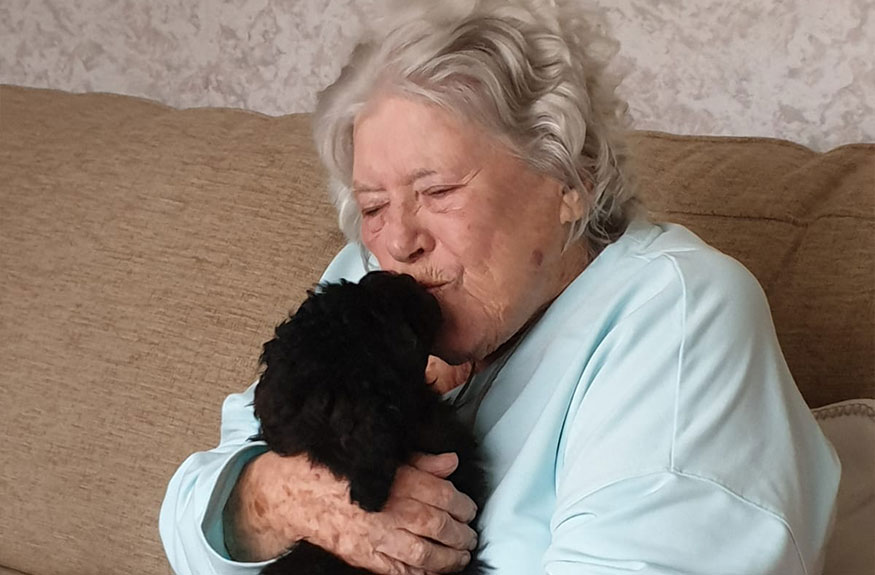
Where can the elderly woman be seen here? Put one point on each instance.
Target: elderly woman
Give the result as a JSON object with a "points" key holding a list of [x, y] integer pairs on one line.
{"points": [[627, 385]]}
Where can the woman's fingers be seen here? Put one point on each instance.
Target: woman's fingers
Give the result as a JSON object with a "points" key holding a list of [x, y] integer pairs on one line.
{"points": [[386, 565], [422, 554], [427, 517], [444, 376], [442, 464], [432, 523], [412, 483]]}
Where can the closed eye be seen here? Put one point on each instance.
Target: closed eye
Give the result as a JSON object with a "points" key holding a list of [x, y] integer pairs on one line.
{"points": [[371, 211], [438, 192]]}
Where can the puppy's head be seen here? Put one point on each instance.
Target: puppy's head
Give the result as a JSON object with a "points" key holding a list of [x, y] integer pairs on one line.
{"points": [[405, 305], [349, 365]]}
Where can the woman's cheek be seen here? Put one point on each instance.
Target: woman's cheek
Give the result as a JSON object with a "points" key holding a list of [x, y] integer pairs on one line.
{"points": [[370, 236], [372, 224]]}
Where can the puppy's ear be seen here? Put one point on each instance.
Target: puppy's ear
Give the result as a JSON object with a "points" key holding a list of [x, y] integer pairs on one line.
{"points": [[285, 386], [374, 451]]}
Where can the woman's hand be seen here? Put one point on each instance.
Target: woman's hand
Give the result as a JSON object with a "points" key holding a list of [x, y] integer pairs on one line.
{"points": [[422, 529], [443, 376]]}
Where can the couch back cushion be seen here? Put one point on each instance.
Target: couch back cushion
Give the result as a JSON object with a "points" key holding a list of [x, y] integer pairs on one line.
{"points": [[147, 254], [803, 222]]}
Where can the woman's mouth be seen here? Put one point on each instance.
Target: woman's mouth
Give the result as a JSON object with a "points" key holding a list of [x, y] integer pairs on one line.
{"points": [[432, 287]]}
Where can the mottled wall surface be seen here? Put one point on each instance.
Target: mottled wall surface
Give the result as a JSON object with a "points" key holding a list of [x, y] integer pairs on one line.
{"points": [[796, 69]]}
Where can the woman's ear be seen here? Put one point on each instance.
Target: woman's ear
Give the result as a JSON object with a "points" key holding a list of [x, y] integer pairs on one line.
{"points": [[572, 208]]}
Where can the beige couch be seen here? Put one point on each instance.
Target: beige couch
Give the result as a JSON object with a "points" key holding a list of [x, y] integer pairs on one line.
{"points": [[147, 253]]}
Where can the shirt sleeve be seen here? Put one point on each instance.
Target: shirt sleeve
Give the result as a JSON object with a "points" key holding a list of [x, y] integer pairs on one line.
{"points": [[191, 515], [190, 521], [668, 523], [691, 451]]}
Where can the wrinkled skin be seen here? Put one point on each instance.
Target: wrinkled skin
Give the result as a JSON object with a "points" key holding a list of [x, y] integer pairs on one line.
{"points": [[295, 500], [445, 202]]}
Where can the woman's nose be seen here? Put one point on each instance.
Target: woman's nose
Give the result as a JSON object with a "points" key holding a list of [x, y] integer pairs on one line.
{"points": [[408, 239]]}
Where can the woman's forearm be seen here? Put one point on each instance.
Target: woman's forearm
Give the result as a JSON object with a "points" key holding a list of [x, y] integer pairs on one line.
{"points": [[252, 530], [279, 501]]}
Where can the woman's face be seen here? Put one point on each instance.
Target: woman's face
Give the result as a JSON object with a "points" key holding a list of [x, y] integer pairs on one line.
{"points": [[446, 203]]}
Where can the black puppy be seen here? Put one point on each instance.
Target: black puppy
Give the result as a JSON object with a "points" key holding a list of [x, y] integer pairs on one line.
{"points": [[344, 383]]}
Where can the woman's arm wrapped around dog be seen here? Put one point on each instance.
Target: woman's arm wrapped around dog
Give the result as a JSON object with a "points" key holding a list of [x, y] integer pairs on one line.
{"points": [[193, 530], [240, 475], [280, 500]]}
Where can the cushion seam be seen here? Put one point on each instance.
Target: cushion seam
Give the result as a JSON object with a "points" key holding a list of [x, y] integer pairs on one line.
{"points": [[798, 222], [845, 409]]}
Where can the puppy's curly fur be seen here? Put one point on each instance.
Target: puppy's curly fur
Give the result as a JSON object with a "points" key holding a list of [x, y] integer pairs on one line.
{"points": [[344, 383]]}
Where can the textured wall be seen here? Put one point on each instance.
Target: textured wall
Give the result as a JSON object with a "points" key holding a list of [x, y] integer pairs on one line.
{"points": [[795, 69]]}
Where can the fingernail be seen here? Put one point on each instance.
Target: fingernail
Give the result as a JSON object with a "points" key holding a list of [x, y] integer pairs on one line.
{"points": [[466, 558], [473, 545]]}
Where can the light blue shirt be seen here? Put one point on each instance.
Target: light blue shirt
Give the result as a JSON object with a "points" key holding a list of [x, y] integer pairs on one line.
{"points": [[646, 423]]}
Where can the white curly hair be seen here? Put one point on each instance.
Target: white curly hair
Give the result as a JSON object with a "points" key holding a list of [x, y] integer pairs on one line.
{"points": [[531, 72]]}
